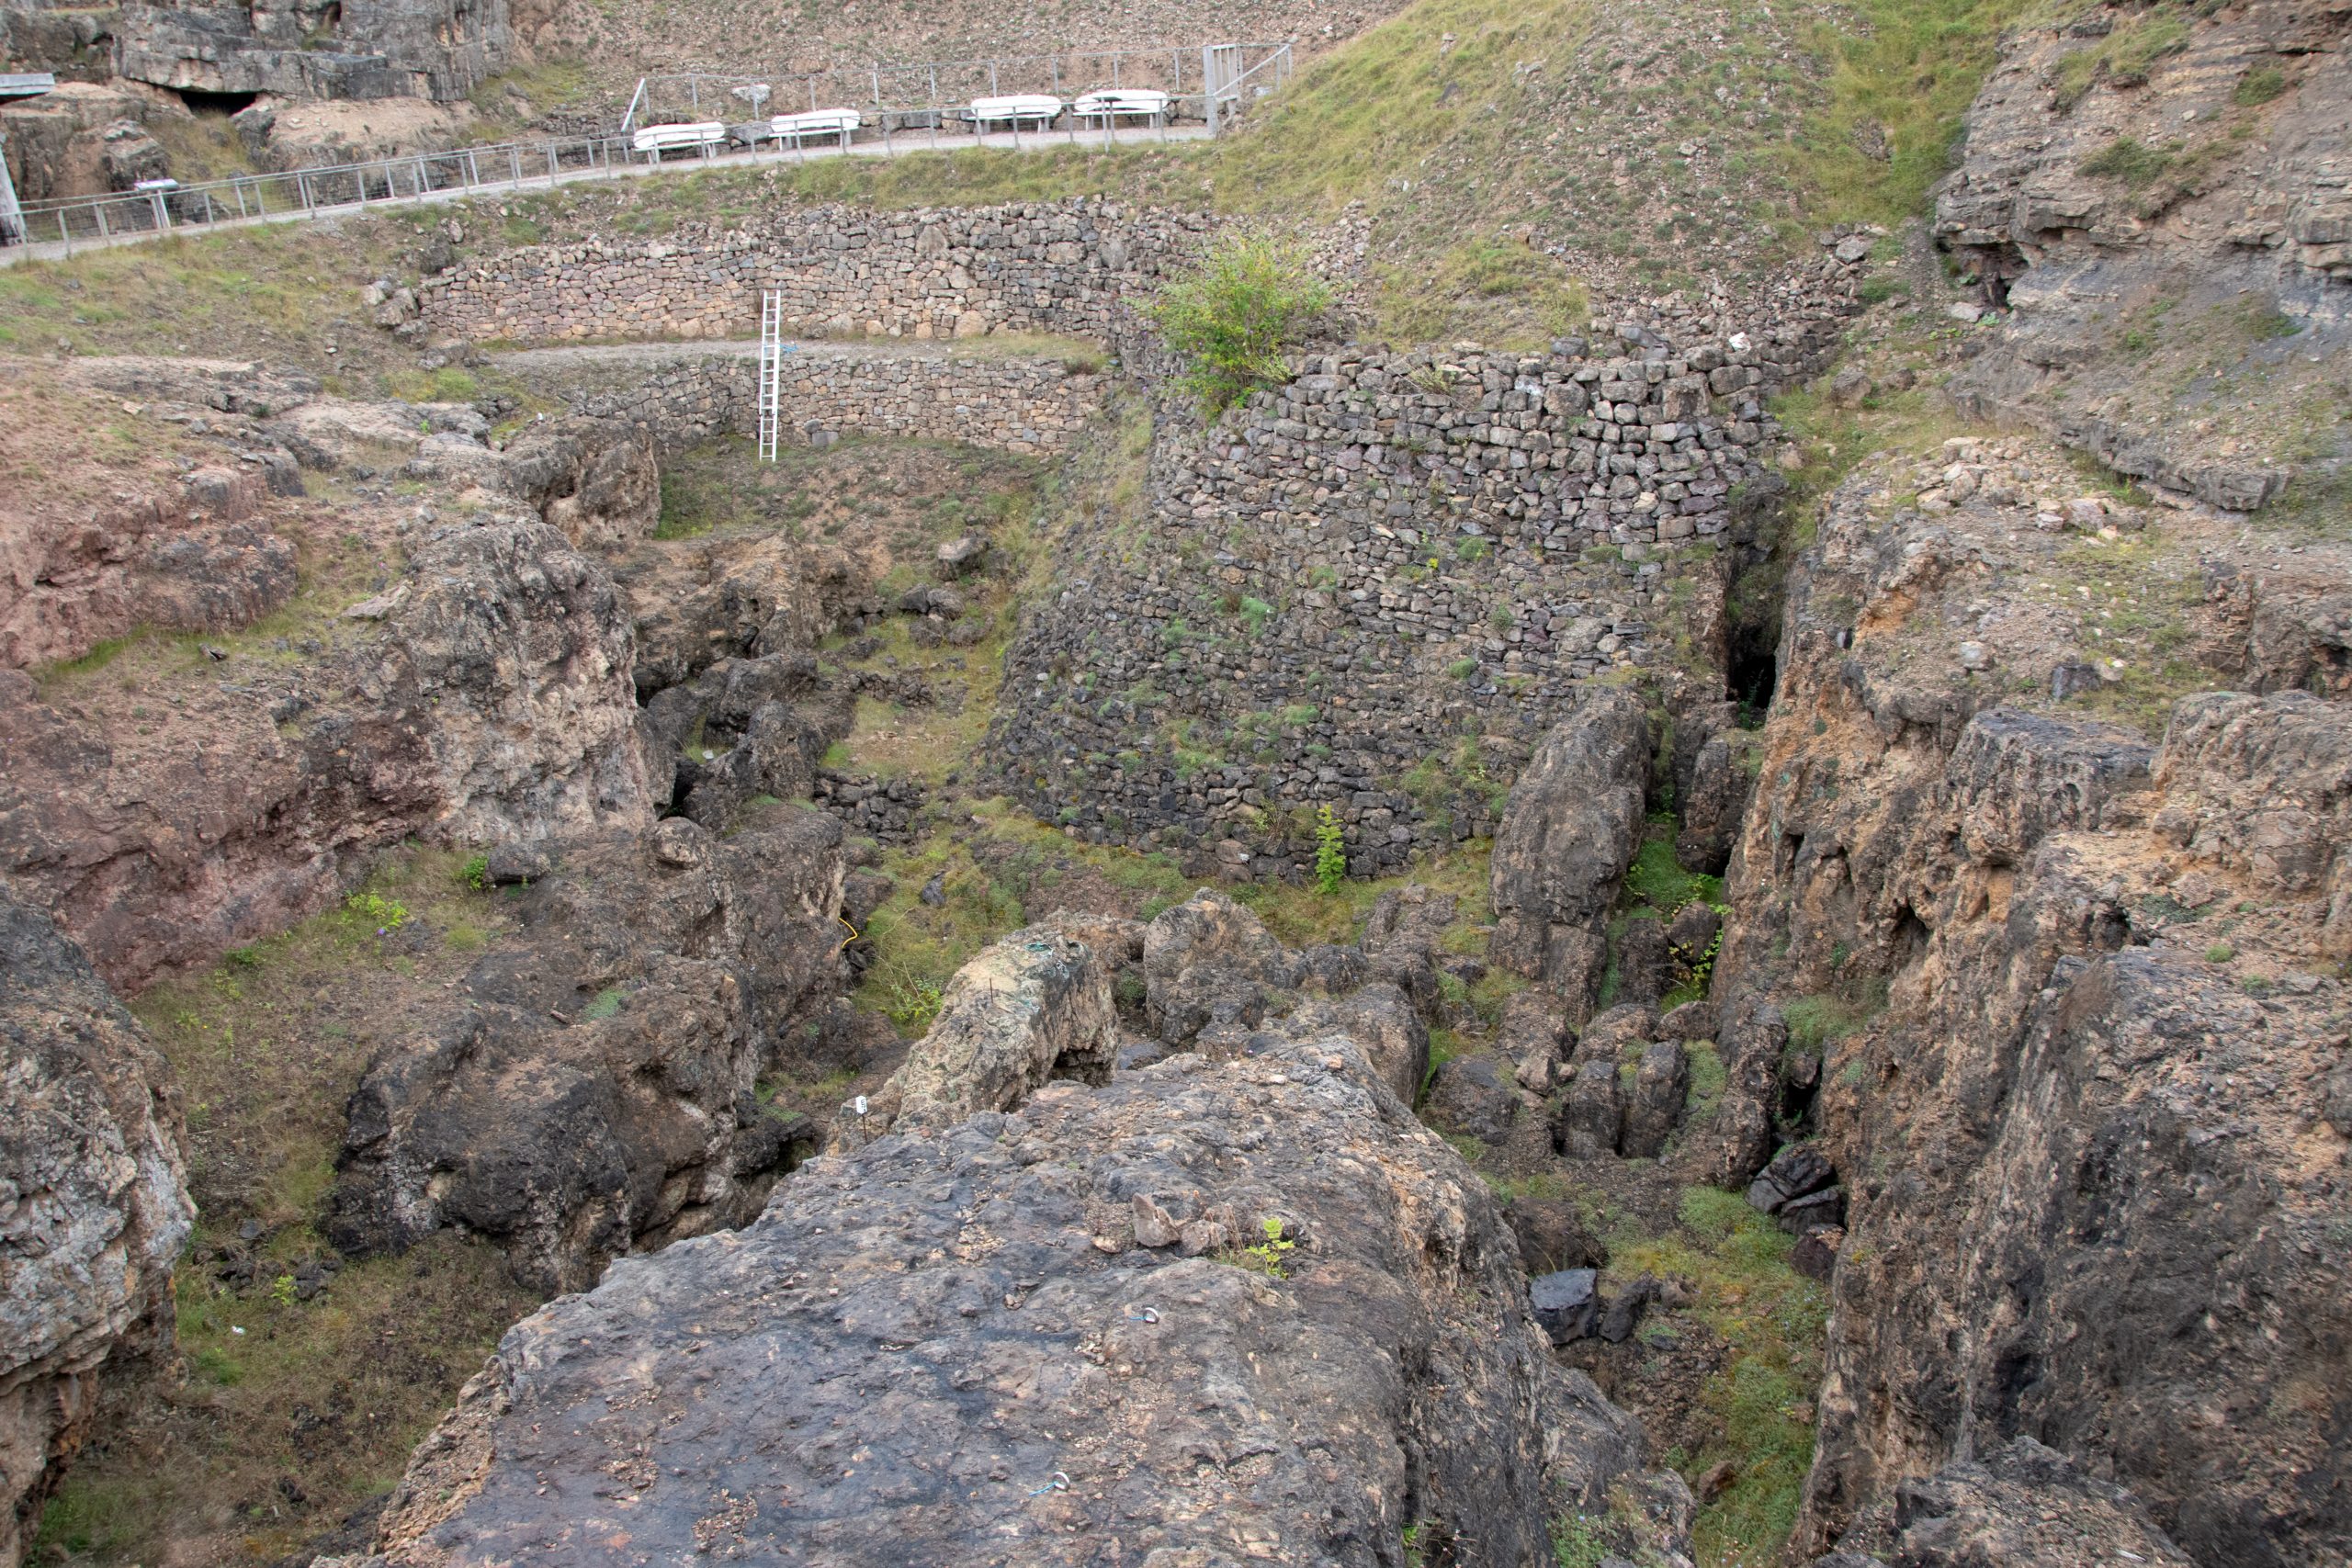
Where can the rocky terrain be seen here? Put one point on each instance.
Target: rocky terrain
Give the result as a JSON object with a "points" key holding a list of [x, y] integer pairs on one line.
{"points": [[1709, 929], [1208, 1310], [97, 1205]]}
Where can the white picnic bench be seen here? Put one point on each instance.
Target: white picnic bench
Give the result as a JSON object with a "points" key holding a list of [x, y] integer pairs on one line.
{"points": [[701, 136], [1015, 109], [797, 128], [1107, 104]]}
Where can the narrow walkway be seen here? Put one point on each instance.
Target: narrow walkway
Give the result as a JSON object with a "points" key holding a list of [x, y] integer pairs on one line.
{"points": [[905, 144]]}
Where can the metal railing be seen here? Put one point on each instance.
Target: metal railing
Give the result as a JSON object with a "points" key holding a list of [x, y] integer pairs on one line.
{"points": [[1220, 86], [1188, 73]]}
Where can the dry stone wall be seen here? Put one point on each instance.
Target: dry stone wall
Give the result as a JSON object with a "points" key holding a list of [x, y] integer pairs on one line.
{"points": [[1375, 586], [1054, 268], [1028, 405]]}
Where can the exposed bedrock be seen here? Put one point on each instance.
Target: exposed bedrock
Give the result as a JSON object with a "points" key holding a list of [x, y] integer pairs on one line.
{"points": [[94, 1206], [2021, 1506], [1033, 1006], [2158, 199], [1035, 1335], [497, 704], [2067, 1012], [593, 1089]]}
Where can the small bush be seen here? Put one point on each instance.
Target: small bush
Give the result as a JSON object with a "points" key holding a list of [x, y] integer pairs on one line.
{"points": [[1330, 851], [2220, 953], [1267, 1255], [1463, 669], [1231, 317], [475, 872]]}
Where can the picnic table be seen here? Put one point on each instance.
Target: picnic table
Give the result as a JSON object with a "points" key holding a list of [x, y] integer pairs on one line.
{"points": [[1014, 109], [1107, 104]]}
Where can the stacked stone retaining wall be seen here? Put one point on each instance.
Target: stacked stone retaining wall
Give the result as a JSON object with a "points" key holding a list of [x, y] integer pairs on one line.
{"points": [[1013, 404], [1375, 586], [1067, 267]]}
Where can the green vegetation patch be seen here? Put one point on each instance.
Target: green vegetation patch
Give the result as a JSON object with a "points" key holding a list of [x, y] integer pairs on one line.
{"points": [[1774, 1322]]}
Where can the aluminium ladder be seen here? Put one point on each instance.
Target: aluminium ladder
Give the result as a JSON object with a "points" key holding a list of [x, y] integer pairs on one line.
{"points": [[770, 372]]}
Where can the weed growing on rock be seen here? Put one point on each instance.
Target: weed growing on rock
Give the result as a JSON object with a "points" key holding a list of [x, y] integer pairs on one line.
{"points": [[475, 872], [1266, 1256], [1330, 851], [375, 910], [1231, 317]]}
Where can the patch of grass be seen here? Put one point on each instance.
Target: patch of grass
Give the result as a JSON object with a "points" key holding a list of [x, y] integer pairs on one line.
{"points": [[1819, 1021], [1657, 880], [1901, 74], [450, 384], [1773, 1322], [2258, 86], [1502, 292], [2125, 57], [2132, 162]]}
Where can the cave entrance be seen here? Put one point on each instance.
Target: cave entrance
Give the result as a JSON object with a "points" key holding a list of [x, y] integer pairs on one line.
{"points": [[1752, 677], [200, 102]]}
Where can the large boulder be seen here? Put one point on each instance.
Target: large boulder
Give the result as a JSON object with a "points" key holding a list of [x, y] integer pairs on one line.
{"points": [[94, 1204], [1032, 1007], [1382, 1023], [1208, 960], [957, 1349], [1570, 829], [595, 479], [594, 1089]]}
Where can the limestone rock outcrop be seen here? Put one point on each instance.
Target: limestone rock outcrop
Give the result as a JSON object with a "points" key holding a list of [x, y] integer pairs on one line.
{"points": [[983, 1344], [2079, 1004], [1568, 833], [2145, 191], [594, 1090], [94, 1204]]}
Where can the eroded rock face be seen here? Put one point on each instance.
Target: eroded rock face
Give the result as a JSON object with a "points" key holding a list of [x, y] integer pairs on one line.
{"points": [[2183, 189], [94, 1204], [985, 1365], [494, 703], [593, 1091], [2085, 1149], [1568, 833], [2022, 1507], [1210, 961]]}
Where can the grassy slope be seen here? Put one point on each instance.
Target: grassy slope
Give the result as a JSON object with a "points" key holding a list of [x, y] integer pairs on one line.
{"points": [[1461, 130]]}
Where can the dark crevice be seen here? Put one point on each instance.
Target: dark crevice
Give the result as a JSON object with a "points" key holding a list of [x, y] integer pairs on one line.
{"points": [[201, 102]]}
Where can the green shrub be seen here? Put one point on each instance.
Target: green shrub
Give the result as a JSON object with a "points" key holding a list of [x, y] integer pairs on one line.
{"points": [[1266, 1256], [1330, 851], [1230, 318], [1463, 669], [475, 872]]}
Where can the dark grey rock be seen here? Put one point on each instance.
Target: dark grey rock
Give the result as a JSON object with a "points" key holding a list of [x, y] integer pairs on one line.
{"points": [[1568, 833], [1469, 1098], [1567, 1303], [917, 1297]]}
